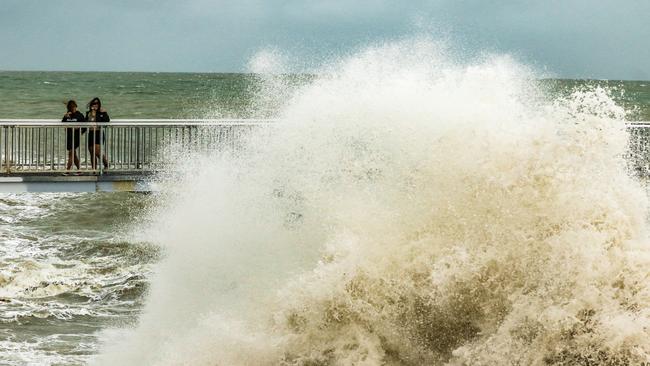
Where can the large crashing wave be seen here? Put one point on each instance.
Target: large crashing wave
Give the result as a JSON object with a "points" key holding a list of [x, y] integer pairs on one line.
{"points": [[407, 210]]}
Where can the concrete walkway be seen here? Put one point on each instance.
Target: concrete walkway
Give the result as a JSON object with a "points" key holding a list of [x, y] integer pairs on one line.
{"points": [[57, 182]]}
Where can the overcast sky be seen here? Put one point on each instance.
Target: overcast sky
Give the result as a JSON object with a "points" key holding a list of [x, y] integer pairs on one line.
{"points": [[569, 38]]}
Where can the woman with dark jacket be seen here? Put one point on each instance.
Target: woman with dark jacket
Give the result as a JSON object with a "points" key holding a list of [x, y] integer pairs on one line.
{"points": [[95, 136], [73, 135]]}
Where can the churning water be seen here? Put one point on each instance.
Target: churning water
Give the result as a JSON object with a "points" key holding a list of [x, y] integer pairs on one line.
{"points": [[68, 268], [409, 210]]}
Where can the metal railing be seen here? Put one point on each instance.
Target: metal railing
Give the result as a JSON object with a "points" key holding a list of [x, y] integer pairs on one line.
{"points": [[639, 148], [139, 145], [129, 145]]}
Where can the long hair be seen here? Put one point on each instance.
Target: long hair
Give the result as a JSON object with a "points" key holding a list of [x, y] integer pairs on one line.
{"points": [[95, 99]]}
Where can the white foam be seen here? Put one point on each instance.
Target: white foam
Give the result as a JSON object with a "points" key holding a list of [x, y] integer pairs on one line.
{"points": [[408, 210]]}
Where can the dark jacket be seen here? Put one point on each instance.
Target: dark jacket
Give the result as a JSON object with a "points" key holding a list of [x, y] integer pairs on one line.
{"points": [[72, 135], [102, 116], [97, 136]]}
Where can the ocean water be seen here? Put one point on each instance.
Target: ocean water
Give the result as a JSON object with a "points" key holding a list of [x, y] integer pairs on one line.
{"points": [[31, 94], [69, 267], [409, 210], [136, 95]]}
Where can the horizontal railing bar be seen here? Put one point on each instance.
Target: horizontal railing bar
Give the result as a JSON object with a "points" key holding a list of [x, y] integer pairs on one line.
{"points": [[125, 124], [181, 122], [140, 122]]}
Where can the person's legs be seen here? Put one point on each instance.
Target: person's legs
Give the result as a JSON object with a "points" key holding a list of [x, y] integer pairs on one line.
{"points": [[77, 163], [71, 157], [93, 157], [97, 154]]}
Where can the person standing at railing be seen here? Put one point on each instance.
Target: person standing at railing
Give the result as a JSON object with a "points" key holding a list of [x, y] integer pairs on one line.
{"points": [[95, 136], [73, 135]]}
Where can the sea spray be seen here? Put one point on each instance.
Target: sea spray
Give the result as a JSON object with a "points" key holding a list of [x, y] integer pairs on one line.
{"points": [[406, 210]]}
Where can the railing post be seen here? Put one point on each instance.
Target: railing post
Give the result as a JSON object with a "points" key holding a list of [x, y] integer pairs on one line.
{"points": [[5, 130], [98, 159], [189, 137], [8, 150], [138, 162]]}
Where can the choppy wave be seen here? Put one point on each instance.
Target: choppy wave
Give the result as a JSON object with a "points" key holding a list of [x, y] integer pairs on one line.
{"points": [[66, 271], [408, 210]]}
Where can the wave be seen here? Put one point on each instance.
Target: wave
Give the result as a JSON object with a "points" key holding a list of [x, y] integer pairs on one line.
{"points": [[410, 209]]}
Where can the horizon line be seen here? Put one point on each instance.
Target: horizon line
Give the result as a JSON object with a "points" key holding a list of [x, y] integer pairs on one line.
{"points": [[282, 73]]}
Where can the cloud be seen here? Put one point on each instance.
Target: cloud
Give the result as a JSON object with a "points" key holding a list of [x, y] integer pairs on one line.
{"points": [[572, 38]]}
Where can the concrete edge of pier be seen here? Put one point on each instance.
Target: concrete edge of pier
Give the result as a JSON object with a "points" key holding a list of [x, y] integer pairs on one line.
{"points": [[78, 184]]}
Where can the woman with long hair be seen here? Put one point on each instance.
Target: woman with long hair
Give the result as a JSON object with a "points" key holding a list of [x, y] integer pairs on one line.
{"points": [[95, 136]]}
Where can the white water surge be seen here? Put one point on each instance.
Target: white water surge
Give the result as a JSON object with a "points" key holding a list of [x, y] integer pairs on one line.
{"points": [[407, 211]]}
